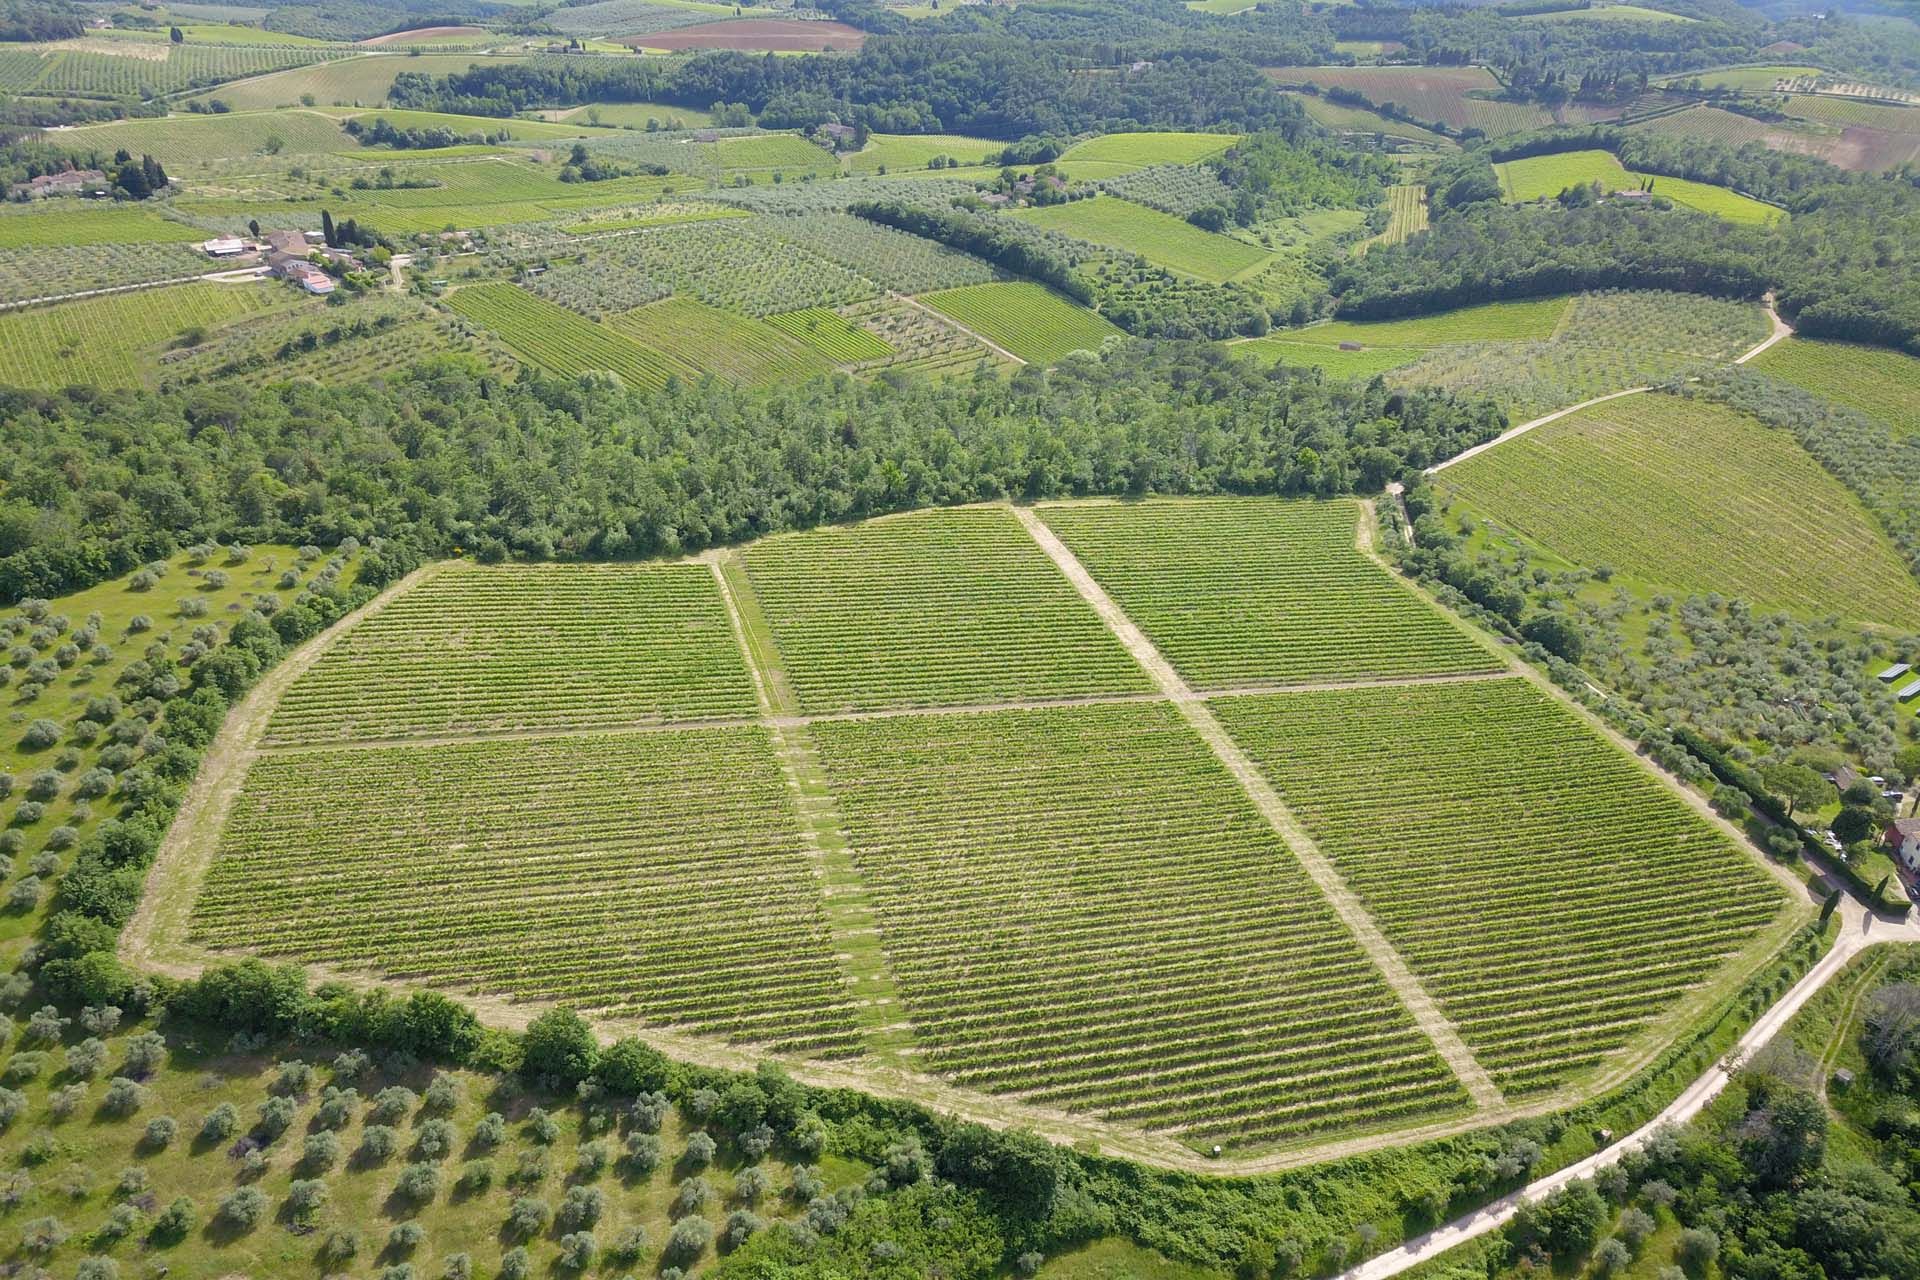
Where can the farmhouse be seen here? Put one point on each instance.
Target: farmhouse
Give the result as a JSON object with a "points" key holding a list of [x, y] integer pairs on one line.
{"points": [[1902, 839], [293, 242], [71, 182]]}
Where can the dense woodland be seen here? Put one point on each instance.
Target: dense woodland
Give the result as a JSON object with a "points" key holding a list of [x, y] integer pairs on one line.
{"points": [[444, 457]]}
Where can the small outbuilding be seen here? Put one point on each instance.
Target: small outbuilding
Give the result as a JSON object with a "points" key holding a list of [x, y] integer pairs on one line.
{"points": [[1894, 672], [1909, 693]]}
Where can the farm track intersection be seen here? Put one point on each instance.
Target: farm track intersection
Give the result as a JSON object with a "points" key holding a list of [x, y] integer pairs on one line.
{"points": [[892, 1063]]}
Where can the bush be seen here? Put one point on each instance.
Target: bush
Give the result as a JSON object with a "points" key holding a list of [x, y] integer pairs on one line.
{"points": [[161, 1131], [40, 735], [643, 1154], [580, 1208], [339, 1248], [43, 1235], [688, 1240], [1697, 1248], [124, 1097], [336, 1107], [490, 1132], [741, 1224], [558, 1046], [691, 1196], [276, 1117], [436, 1140], [418, 1183], [700, 1150], [306, 1197], [627, 1246], [527, 1217], [378, 1142], [174, 1224], [220, 1124], [458, 1266], [406, 1237], [515, 1264], [577, 1250], [391, 1106], [475, 1177], [591, 1162], [321, 1151], [243, 1208], [442, 1095], [146, 1054]]}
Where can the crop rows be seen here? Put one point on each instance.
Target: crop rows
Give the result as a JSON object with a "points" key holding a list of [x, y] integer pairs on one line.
{"points": [[1080, 907], [898, 261], [631, 17], [934, 608], [1437, 94], [1029, 320], [921, 341], [49, 270], [56, 223], [1178, 189], [130, 75], [830, 333], [477, 649], [1161, 239], [1880, 383], [1244, 591], [1693, 496], [733, 346], [731, 263], [112, 341], [1551, 894], [1149, 148], [561, 342], [397, 333], [657, 876]]}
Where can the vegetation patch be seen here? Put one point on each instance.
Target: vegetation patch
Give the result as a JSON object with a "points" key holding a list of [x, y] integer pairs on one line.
{"points": [[561, 342], [114, 341], [733, 346], [1880, 383], [1161, 239], [1138, 150], [1029, 320]]}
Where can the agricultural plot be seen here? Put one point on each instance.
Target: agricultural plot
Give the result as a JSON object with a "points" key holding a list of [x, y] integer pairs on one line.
{"points": [[1178, 189], [1334, 362], [894, 152], [756, 35], [1341, 118], [1080, 906], [919, 340], [731, 264], [538, 647], [633, 115], [1457, 97], [659, 214], [936, 608], [1029, 320], [1253, 591], [1552, 895], [561, 342], [732, 346], [184, 142], [369, 340], [1161, 239], [1493, 322], [1608, 13], [345, 82], [113, 341], [100, 69], [1543, 177], [1692, 496], [1880, 383], [773, 152], [53, 223], [833, 335], [528, 865], [1138, 150], [634, 17], [888, 257], [1407, 215], [52, 270]]}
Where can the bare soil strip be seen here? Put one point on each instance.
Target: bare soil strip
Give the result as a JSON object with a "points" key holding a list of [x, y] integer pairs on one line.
{"points": [[1345, 903]]}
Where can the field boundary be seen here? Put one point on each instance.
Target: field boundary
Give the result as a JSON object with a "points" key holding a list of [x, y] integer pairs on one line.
{"points": [[1345, 903]]}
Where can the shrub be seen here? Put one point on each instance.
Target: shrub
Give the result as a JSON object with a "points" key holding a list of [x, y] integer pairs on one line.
{"points": [[378, 1142], [46, 1026], [174, 1224], [124, 1097], [321, 1151], [577, 1250], [40, 735], [643, 1154], [97, 1269], [406, 1237], [1697, 1247], [1611, 1258], [490, 1132], [752, 1186], [700, 1150], [527, 1217], [627, 1246], [43, 1235], [516, 1264], [741, 1224], [688, 1240], [339, 1247], [293, 1078], [391, 1106], [580, 1208], [418, 1183], [647, 1114], [541, 1127], [306, 1197], [146, 1054], [243, 1208], [276, 1117], [691, 1196], [458, 1266], [475, 1177], [435, 1141], [161, 1131], [220, 1123], [86, 1059], [336, 1107], [442, 1095]]}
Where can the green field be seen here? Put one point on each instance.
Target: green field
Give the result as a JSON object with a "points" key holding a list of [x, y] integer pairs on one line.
{"points": [[528, 864], [1458, 97], [349, 82], [782, 152], [1609, 13], [1407, 206], [1081, 906], [845, 608], [1543, 177], [49, 223], [1254, 591], [633, 115], [491, 649], [99, 68], [1346, 119], [1161, 239], [842, 341], [182, 142], [1335, 362], [1493, 322], [1691, 496], [561, 342], [1030, 320], [1881, 383], [1138, 150], [654, 216], [112, 341], [900, 151], [1552, 894], [732, 346], [1745, 79]]}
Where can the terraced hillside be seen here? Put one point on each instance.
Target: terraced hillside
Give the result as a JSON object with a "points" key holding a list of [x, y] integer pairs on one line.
{"points": [[933, 796]]}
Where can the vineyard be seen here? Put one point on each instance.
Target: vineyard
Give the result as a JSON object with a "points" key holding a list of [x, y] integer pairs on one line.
{"points": [[1443, 95], [525, 648], [371, 340], [1342, 118], [1543, 177], [889, 258], [848, 610], [1029, 320], [45, 227], [1178, 189], [1163, 240], [1335, 362], [738, 348], [184, 142], [634, 17], [561, 342], [897, 151], [1080, 906], [1407, 214], [833, 335], [1691, 496], [112, 341], [1492, 322], [655, 876], [1549, 892], [920, 341], [1881, 383], [1251, 591], [132, 72]]}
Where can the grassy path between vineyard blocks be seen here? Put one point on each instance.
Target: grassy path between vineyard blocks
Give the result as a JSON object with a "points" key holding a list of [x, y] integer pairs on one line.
{"points": [[1345, 903], [847, 901]]}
